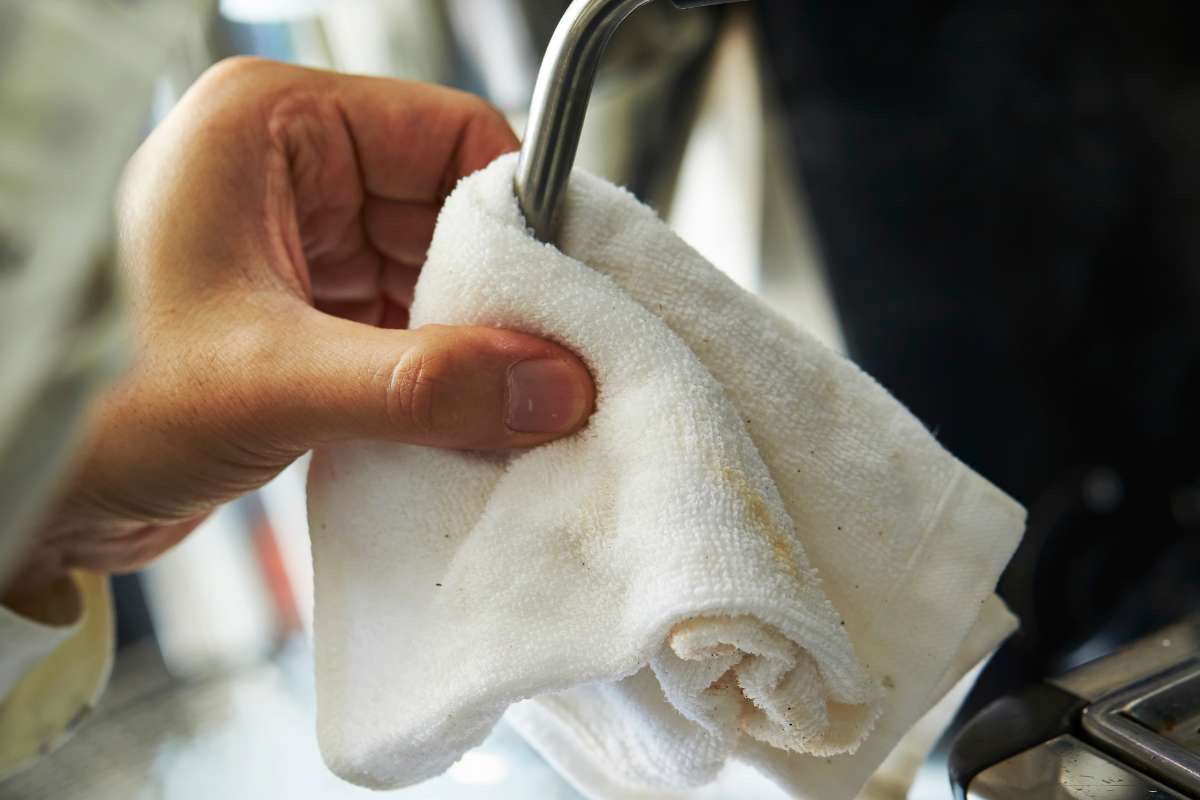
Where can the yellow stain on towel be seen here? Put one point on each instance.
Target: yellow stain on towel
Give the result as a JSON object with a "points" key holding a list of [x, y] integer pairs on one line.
{"points": [[760, 516]]}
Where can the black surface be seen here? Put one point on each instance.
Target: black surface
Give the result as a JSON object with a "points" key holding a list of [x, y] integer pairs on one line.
{"points": [[1006, 195], [132, 614]]}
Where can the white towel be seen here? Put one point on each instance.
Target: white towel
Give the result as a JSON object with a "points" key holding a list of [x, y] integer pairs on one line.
{"points": [[752, 550]]}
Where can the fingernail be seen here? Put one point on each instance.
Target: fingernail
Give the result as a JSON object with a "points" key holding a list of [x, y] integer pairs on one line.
{"points": [[544, 396]]}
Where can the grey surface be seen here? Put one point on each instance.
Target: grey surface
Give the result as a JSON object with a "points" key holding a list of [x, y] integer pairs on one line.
{"points": [[245, 735], [1154, 653]]}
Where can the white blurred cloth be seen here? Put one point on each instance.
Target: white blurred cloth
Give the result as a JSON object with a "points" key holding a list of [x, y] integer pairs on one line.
{"points": [[75, 87], [752, 551]]}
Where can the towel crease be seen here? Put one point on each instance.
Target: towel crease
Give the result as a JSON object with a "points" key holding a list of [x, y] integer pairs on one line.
{"points": [[657, 609]]}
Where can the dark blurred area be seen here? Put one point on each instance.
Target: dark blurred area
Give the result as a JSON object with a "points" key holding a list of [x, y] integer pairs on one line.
{"points": [[1005, 196]]}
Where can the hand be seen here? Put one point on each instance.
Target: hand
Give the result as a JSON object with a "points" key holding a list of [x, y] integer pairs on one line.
{"points": [[271, 230]]}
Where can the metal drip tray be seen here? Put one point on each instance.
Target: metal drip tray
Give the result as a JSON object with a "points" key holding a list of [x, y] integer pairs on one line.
{"points": [[1155, 724], [1174, 711], [1065, 768]]}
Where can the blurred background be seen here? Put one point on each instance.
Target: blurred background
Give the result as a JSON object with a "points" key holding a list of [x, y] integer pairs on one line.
{"points": [[990, 206]]}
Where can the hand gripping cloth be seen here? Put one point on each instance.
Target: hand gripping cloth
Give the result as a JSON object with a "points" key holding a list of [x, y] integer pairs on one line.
{"points": [[752, 551]]}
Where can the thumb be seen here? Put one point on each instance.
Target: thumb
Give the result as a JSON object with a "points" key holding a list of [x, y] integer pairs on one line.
{"points": [[442, 386]]}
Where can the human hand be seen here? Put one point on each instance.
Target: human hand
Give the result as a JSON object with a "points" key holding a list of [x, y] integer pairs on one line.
{"points": [[271, 230]]}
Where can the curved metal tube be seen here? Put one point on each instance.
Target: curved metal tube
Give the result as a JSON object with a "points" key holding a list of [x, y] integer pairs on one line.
{"points": [[560, 99]]}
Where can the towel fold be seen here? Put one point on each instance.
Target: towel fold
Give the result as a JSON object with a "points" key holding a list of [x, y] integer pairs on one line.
{"points": [[752, 550]]}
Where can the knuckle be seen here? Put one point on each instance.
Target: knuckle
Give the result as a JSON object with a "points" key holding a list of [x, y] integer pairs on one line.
{"points": [[481, 115], [229, 85], [233, 70], [487, 111], [419, 395], [493, 118]]}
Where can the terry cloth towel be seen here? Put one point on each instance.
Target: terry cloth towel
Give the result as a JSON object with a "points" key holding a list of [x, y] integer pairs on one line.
{"points": [[751, 551]]}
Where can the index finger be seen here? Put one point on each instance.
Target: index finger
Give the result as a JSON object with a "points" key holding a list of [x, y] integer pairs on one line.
{"points": [[413, 141]]}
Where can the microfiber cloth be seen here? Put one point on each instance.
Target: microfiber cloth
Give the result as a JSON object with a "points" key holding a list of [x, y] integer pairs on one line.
{"points": [[752, 551]]}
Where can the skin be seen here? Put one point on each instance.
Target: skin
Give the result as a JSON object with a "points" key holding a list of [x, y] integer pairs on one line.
{"points": [[271, 231]]}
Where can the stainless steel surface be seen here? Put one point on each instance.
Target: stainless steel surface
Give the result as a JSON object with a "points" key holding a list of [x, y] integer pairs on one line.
{"points": [[1065, 768], [559, 105], [1148, 656], [1153, 724]]}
